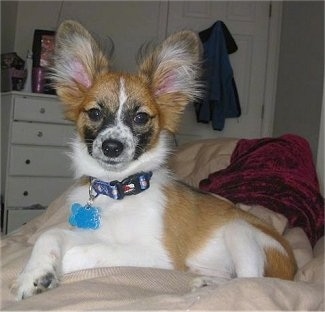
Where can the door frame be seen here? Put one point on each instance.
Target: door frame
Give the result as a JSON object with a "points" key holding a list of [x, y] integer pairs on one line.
{"points": [[272, 65]]}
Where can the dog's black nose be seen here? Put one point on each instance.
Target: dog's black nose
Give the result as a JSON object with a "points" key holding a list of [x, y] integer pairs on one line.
{"points": [[112, 148]]}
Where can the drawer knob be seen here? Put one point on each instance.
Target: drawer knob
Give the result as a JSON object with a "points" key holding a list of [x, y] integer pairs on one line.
{"points": [[42, 110], [39, 134], [25, 193], [27, 161]]}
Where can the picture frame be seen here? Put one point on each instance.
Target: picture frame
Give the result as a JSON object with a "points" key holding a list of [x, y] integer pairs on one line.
{"points": [[43, 48]]}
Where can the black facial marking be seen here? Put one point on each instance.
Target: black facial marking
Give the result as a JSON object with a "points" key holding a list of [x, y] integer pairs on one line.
{"points": [[140, 123], [99, 119], [89, 137], [142, 145]]}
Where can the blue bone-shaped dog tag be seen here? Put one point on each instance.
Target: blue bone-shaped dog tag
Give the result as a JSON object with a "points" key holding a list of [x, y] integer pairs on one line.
{"points": [[85, 217]]}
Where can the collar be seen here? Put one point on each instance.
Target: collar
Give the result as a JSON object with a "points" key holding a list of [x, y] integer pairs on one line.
{"points": [[132, 185]]}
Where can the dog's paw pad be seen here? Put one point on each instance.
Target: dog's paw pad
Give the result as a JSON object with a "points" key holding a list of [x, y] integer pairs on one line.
{"points": [[28, 285], [45, 282]]}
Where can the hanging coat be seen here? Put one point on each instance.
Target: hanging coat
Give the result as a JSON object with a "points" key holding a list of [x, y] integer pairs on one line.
{"points": [[221, 99]]}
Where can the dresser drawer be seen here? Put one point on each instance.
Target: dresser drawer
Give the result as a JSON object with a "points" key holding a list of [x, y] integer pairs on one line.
{"points": [[41, 133], [39, 161], [35, 109], [17, 218], [24, 192]]}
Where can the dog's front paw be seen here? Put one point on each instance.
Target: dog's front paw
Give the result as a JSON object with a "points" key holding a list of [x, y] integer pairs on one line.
{"points": [[34, 282]]}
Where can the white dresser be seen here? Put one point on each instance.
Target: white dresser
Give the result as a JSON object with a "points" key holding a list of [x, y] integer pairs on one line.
{"points": [[35, 168]]}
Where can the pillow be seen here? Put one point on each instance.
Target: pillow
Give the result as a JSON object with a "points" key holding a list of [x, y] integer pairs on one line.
{"points": [[300, 245], [276, 220], [193, 161], [313, 271]]}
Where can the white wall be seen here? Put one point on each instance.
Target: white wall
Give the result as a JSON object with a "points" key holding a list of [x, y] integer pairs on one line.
{"points": [[301, 71], [8, 26], [33, 15]]}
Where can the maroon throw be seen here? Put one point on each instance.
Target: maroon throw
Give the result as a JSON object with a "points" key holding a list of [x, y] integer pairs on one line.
{"points": [[277, 173]]}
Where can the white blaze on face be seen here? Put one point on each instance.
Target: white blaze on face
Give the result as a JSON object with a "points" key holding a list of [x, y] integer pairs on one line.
{"points": [[122, 99]]}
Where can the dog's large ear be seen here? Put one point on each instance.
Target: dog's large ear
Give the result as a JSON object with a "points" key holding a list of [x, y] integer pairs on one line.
{"points": [[77, 61], [172, 70]]}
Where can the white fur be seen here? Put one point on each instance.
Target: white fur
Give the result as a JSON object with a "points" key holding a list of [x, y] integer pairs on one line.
{"points": [[132, 235], [122, 99]]}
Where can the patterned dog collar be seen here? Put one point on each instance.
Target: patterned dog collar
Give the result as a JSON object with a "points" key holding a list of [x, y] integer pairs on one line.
{"points": [[132, 185]]}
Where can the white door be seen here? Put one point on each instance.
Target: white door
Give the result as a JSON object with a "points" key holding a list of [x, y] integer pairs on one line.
{"points": [[248, 22]]}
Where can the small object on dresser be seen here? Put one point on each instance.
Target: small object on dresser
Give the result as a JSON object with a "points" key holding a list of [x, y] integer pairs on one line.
{"points": [[12, 72], [38, 80], [28, 68]]}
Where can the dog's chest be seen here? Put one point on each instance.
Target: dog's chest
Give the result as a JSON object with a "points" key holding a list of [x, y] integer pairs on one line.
{"points": [[134, 219]]}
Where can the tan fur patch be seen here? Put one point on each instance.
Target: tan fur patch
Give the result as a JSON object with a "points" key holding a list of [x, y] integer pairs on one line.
{"points": [[279, 265], [173, 106]]}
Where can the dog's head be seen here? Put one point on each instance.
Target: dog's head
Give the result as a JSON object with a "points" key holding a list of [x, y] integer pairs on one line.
{"points": [[122, 119]]}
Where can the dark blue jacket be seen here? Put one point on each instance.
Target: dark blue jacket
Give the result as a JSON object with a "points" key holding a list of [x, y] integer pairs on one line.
{"points": [[221, 99]]}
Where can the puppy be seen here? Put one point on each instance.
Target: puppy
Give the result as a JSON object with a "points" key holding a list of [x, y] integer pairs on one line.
{"points": [[128, 209]]}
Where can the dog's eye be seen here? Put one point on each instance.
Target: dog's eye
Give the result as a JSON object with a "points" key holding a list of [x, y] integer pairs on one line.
{"points": [[141, 118], [95, 114]]}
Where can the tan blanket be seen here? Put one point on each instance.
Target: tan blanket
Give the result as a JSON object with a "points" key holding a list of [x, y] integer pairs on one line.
{"points": [[126, 288]]}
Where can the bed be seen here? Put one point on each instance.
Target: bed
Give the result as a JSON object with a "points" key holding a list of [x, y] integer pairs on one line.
{"points": [[290, 201]]}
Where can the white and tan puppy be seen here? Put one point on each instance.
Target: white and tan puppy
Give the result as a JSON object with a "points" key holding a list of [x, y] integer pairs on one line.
{"points": [[128, 209]]}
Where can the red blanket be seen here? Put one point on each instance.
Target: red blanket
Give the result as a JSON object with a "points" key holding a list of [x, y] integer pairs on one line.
{"points": [[277, 173]]}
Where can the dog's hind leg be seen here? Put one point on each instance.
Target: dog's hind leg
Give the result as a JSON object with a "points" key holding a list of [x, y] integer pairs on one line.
{"points": [[43, 268], [245, 258], [243, 242]]}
